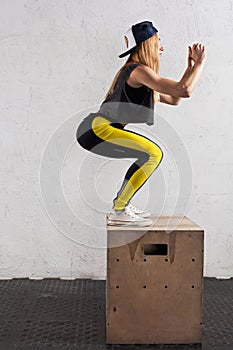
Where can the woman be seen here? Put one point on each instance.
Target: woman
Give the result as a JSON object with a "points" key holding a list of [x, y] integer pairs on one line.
{"points": [[131, 98]]}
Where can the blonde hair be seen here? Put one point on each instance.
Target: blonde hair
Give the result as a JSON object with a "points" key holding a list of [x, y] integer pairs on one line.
{"points": [[146, 53]]}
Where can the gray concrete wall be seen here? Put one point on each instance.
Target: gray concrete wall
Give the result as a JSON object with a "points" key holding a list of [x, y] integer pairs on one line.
{"points": [[58, 59]]}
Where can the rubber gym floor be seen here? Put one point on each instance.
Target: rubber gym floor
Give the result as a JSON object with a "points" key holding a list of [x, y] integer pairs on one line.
{"points": [[70, 314]]}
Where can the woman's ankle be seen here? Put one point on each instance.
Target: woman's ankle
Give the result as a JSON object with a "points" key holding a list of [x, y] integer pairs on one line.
{"points": [[118, 211]]}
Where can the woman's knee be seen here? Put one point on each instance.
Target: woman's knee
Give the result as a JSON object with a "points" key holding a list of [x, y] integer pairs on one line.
{"points": [[156, 151]]}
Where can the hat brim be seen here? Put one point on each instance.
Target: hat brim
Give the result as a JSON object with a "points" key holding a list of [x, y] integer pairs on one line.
{"points": [[127, 52]]}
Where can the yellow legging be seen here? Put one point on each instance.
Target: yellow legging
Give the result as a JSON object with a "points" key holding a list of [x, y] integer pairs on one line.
{"points": [[127, 144]]}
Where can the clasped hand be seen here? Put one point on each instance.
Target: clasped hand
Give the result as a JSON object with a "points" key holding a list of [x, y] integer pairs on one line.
{"points": [[197, 53]]}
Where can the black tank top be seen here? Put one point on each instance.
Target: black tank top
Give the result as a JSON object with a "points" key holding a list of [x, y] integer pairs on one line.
{"points": [[127, 104], [136, 95]]}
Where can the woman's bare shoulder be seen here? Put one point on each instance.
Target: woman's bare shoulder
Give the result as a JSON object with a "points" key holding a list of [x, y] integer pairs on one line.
{"points": [[135, 77], [142, 68]]}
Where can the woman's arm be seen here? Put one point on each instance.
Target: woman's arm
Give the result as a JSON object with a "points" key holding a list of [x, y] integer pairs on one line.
{"points": [[172, 100], [183, 88], [196, 54], [192, 56], [169, 99]]}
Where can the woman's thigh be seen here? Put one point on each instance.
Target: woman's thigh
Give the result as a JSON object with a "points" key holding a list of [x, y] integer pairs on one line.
{"points": [[122, 140], [88, 138]]}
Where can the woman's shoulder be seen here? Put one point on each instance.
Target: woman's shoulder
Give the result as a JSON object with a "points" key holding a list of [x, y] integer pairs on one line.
{"points": [[141, 74], [135, 70], [126, 71]]}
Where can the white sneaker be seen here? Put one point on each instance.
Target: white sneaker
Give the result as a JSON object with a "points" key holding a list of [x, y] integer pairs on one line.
{"points": [[127, 218], [137, 211]]}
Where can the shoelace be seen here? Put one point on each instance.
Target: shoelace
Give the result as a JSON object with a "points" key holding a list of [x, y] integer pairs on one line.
{"points": [[131, 214], [132, 207]]}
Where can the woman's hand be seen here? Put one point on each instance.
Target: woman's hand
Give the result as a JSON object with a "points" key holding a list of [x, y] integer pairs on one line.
{"points": [[190, 60], [196, 54]]}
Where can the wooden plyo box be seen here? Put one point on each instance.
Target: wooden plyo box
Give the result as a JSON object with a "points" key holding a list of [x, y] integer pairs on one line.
{"points": [[155, 282]]}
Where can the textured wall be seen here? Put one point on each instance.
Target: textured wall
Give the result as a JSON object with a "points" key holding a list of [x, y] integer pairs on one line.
{"points": [[57, 60]]}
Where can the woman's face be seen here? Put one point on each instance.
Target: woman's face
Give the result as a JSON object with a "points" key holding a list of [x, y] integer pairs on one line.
{"points": [[161, 48]]}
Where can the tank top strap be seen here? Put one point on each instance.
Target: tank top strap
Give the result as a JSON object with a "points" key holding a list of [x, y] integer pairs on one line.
{"points": [[128, 69], [127, 72]]}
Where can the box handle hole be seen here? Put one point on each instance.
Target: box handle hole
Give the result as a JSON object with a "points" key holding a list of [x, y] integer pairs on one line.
{"points": [[155, 249]]}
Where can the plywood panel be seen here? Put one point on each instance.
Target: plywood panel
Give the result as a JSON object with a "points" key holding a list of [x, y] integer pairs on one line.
{"points": [[154, 284]]}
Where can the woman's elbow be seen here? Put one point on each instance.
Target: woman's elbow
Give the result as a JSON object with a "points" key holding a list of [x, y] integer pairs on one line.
{"points": [[177, 101], [184, 91], [187, 92]]}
